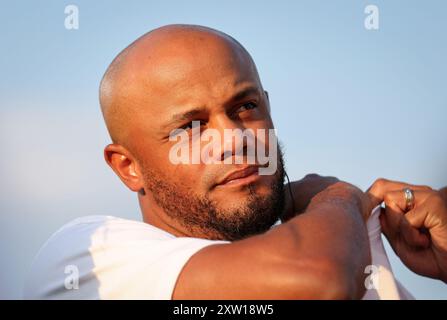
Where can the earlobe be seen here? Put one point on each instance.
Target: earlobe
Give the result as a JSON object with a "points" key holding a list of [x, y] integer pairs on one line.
{"points": [[123, 164]]}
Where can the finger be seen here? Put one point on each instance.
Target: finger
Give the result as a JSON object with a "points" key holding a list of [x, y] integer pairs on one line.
{"points": [[382, 186], [416, 220], [389, 233], [385, 185], [410, 235], [374, 200], [427, 214], [398, 198], [413, 236], [393, 213]]}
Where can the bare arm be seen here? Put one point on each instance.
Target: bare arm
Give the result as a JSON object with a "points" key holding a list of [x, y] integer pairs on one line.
{"points": [[321, 253]]}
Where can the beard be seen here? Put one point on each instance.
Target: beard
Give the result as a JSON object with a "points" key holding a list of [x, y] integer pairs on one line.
{"points": [[202, 216]]}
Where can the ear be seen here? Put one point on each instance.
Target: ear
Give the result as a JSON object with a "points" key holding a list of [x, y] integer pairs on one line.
{"points": [[268, 100], [124, 165]]}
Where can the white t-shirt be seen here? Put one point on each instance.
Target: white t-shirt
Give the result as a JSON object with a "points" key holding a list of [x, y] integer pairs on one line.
{"points": [[103, 257], [114, 259], [384, 286]]}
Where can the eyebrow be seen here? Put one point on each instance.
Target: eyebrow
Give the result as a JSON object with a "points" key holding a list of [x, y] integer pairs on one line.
{"points": [[243, 94], [187, 115]]}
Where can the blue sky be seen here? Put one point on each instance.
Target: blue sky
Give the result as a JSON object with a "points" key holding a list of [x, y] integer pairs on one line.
{"points": [[346, 101]]}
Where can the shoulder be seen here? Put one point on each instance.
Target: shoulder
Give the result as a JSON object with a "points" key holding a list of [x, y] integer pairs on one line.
{"points": [[111, 258], [109, 227]]}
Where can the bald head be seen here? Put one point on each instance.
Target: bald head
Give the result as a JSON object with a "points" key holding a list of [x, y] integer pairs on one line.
{"points": [[168, 61], [176, 77]]}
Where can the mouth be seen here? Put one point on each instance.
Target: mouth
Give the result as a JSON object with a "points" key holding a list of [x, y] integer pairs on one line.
{"points": [[240, 177]]}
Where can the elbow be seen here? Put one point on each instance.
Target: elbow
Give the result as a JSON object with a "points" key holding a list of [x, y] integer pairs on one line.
{"points": [[341, 286], [345, 283], [325, 280]]}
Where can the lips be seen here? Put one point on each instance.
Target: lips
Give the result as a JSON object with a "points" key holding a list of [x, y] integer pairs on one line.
{"points": [[239, 174]]}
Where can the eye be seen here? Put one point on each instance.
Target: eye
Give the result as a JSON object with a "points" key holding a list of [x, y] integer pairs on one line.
{"points": [[191, 124], [247, 106]]}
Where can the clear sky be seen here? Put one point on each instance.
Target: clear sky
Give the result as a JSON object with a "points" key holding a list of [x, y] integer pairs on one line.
{"points": [[354, 103]]}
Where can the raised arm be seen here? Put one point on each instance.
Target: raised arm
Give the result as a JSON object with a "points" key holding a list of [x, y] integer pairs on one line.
{"points": [[320, 254]]}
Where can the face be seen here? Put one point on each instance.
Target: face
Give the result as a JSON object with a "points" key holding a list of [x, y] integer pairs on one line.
{"points": [[219, 93]]}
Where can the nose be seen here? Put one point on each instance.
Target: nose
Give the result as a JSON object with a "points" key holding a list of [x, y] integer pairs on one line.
{"points": [[235, 140]]}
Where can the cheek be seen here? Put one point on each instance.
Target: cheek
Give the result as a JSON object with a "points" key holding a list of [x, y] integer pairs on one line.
{"points": [[188, 177], [265, 187]]}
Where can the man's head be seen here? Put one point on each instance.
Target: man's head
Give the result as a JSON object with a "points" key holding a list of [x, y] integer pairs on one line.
{"points": [[162, 82]]}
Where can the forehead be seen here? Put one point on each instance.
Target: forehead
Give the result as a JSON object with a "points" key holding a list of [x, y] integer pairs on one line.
{"points": [[164, 77], [195, 77]]}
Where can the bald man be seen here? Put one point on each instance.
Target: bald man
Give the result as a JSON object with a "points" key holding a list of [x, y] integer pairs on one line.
{"points": [[210, 231]]}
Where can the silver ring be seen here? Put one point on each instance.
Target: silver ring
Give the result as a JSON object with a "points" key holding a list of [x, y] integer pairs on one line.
{"points": [[409, 199]]}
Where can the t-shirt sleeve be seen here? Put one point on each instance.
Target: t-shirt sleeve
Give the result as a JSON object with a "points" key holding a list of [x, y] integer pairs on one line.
{"points": [[177, 254], [110, 259], [144, 270]]}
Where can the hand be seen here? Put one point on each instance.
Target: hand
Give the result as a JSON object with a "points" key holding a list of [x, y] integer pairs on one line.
{"points": [[418, 236]]}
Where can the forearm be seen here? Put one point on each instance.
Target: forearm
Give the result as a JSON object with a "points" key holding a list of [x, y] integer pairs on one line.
{"points": [[320, 254], [332, 230]]}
